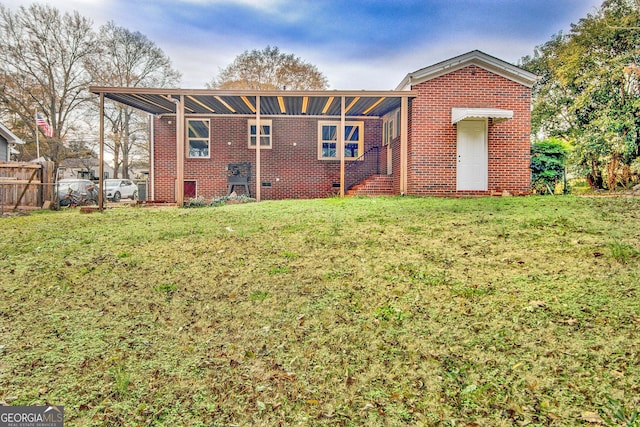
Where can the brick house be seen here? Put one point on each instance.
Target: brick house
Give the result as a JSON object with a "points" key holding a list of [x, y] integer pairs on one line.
{"points": [[459, 127]]}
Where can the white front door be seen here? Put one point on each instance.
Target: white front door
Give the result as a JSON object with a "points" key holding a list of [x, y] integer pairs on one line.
{"points": [[473, 165]]}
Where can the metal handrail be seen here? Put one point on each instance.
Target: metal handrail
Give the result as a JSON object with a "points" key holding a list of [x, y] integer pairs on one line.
{"points": [[362, 167]]}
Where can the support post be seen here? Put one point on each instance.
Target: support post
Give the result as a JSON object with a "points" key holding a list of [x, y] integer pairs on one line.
{"points": [[404, 143], [180, 151], [258, 143], [37, 136], [341, 143], [101, 157]]}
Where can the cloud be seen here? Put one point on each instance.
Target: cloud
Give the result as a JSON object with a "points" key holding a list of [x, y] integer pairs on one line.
{"points": [[363, 44]]}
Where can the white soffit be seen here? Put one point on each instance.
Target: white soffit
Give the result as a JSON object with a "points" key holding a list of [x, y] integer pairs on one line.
{"points": [[497, 114]]}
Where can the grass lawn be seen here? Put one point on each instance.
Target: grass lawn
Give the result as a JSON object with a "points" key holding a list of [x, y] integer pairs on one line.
{"points": [[357, 311]]}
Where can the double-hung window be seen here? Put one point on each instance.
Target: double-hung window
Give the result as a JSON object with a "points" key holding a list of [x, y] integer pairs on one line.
{"points": [[198, 138], [328, 140], [265, 133], [390, 127]]}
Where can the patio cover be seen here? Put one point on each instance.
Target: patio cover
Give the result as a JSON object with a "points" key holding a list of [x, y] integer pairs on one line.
{"points": [[159, 101], [189, 102]]}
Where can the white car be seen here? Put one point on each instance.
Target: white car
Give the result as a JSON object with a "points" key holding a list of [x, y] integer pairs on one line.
{"points": [[116, 189]]}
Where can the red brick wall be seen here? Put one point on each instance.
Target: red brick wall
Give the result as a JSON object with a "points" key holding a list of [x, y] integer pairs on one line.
{"points": [[432, 143], [395, 164], [291, 166]]}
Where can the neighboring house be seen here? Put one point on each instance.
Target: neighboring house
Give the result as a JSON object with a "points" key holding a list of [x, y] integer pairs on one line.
{"points": [[459, 127], [86, 168], [7, 141]]}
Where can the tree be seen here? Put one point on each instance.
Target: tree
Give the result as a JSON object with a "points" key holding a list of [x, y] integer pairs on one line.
{"points": [[42, 53], [269, 69], [128, 59], [588, 92]]}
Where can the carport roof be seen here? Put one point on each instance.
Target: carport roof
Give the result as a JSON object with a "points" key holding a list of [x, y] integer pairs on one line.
{"points": [[160, 101]]}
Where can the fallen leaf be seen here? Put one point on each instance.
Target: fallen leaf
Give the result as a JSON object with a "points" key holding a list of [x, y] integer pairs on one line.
{"points": [[592, 417], [552, 416]]}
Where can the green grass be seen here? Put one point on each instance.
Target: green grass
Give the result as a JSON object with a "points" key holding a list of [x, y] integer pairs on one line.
{"points": [[381, 311]]}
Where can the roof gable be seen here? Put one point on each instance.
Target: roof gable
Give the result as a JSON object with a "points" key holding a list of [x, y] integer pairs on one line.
{"points": [[475, 57], [9, 136]]}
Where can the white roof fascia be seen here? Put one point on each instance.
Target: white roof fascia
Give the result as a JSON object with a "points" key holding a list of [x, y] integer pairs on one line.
{"points": [[9, 136], [497, 114], [475, 57]]}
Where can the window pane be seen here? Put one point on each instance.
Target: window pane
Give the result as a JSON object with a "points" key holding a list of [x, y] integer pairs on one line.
{"points": [[198, 129], [329, 133], [351, 133], [328, 149], [351, 150], [198, 148], [385, 135], [264, 130]]}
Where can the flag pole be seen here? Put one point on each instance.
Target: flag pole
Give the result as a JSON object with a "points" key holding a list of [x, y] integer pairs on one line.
{"points": [[37, 137]]}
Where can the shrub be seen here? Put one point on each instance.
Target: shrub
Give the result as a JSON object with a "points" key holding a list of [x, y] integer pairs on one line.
{"points": [[195, 202], [548, 158]]}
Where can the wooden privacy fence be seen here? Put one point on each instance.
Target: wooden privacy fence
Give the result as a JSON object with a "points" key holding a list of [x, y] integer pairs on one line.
{"points": [[25, 185]]}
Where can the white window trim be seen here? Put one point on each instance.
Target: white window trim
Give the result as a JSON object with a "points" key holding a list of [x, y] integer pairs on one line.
{"points": [[390, 127], [188, 140], [336, 123], [252, 122]]}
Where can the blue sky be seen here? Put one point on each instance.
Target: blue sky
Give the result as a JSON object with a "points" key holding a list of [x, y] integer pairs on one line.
{"points": [[357, 44]]}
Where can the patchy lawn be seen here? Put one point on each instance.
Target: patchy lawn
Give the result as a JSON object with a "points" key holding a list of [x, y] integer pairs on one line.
{"points": [[381, 311]]}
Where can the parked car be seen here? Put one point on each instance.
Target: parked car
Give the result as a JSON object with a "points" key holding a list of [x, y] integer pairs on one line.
{"points": [[116, 189], [73, 191]]}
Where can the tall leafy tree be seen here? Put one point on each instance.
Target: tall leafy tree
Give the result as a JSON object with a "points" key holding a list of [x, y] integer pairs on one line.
{"points": [[128, 59], [588, 91], [42, 53], [269, 69]]}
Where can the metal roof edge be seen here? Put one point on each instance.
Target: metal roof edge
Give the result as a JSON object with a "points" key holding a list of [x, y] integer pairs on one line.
{"points": [[217, 92]]}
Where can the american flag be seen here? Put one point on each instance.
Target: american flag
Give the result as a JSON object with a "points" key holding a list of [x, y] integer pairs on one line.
{"points": [[47, 129]]}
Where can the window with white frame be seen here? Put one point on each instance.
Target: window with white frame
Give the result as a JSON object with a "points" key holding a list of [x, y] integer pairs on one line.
{"points": [[328, 140], [198, 138], [390, 127], [265, 133]]}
